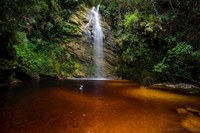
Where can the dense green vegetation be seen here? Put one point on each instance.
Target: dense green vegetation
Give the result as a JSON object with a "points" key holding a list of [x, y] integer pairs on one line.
{"points": [[35, 34], [159, 40]]}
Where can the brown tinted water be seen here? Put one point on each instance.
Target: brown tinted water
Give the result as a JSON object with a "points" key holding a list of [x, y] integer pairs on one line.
{"points": [[103, 106]]}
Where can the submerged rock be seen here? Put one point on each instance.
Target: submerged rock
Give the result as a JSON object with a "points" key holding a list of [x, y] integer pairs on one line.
{"points": [[182, 111], [191, 123], [190, 118], [194, 111]]}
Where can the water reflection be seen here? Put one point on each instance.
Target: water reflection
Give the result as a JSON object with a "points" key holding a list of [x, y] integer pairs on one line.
{"points": [[103, 106]]}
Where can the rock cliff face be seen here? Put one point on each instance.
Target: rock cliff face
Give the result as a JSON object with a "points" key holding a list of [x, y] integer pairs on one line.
{"points": [[81, 48]]}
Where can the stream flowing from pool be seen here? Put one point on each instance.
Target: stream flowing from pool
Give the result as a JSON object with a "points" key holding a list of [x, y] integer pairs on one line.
{"points": [[101, 106]]}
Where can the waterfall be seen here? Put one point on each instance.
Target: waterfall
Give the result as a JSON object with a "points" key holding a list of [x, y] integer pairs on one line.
{"points": [[96, 33]]}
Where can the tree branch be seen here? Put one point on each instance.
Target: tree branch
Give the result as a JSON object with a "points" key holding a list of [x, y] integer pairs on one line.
{"points": [[155, 7]]}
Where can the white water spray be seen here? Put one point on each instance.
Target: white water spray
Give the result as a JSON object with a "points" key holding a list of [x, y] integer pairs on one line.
{"points": [[97, 35]]}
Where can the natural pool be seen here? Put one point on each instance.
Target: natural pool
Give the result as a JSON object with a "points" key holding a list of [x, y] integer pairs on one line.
{"points": [[102, 106]]}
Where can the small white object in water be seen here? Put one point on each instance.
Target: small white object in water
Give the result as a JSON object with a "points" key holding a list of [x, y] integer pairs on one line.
{"points": [[81, 87]]}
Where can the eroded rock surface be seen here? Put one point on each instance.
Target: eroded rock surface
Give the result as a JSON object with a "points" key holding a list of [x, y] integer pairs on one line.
{"points": [[81, 48]]}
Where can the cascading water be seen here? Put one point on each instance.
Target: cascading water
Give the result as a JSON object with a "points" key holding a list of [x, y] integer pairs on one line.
{"points": [[97, 38]]}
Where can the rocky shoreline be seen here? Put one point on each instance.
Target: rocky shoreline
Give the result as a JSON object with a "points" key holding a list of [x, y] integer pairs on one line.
{"points": [[177, 87]]}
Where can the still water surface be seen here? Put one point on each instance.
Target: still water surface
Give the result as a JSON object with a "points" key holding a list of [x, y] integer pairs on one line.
{"points": [[102, 106]]}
